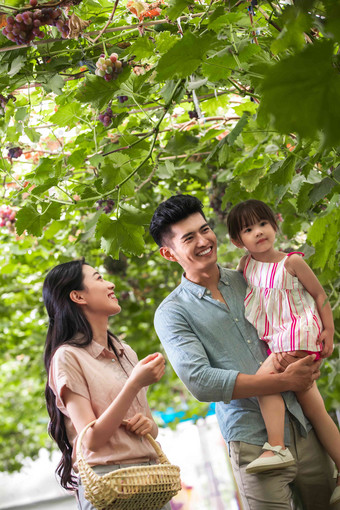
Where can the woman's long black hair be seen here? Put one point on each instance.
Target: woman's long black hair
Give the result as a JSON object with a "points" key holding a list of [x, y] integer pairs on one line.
{"points": [[66, 319]]}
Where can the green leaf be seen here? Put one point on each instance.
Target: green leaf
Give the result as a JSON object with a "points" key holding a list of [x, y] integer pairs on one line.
{"points": [[17, 64], [97, 91], [164, 41], [234, 133], [66, 115], [322, 189], [283, 172], [47, 168], [142, 48], [54, 84], [115, 171], [119, 235], [176, 7], [302, 94], [172, 63], [32, 134], [28, 218], [297, 23]]}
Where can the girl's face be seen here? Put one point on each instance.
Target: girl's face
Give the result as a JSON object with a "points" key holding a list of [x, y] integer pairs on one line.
{"points": [[98, 294], [258, 238]]}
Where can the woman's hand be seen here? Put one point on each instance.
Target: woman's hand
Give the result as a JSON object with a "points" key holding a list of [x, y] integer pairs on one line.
{"points": [[139, 424], [148, 370]]}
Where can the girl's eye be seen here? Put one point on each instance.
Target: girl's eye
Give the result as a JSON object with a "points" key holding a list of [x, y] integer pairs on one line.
{"points": [[99, 277]]}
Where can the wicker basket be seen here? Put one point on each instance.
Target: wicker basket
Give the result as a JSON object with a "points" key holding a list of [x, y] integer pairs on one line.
{"points": [[130, 488]]}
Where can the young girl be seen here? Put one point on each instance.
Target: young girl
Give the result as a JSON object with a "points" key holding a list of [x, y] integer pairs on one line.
{"points": [[288, 306], [93, 376]]}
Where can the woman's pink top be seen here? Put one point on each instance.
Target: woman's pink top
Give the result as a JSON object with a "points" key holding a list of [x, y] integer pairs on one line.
{"points": [[95, 373], [280, 308]]}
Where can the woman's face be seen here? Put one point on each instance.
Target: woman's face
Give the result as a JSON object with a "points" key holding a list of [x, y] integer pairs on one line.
{"points": [[98, 293]]}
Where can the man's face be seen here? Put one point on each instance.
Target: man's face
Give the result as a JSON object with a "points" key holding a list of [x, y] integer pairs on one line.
{"points": [[193, 245]]}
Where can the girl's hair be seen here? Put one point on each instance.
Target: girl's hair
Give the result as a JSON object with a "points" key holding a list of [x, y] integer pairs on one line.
{"points": [[247, 213], [66, 319]]}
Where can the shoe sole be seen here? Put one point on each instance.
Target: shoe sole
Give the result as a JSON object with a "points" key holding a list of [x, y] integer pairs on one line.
{"points": [[262, 469]]}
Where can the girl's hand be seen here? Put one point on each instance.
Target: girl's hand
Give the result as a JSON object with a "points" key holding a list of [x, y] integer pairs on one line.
{"points": [[148, 370], [326, 339], [139, 424]]}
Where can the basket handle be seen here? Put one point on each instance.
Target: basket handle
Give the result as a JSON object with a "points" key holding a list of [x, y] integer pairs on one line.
{"points": [[79, 450], [162, 457]]}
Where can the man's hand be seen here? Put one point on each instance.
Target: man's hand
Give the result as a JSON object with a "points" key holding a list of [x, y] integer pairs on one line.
{"points": [[281, 360], [302, 373]]}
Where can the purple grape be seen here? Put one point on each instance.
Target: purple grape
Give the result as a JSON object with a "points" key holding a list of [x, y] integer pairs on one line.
{"points": [[193, 114]]}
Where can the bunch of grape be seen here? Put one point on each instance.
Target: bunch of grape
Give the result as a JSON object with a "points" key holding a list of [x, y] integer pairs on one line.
{"points": [[106, 208], [4, 100], [106, 117], [26, 25], [7, 216], [122, 99], [193, 114], [108, 68], [14, 152]]}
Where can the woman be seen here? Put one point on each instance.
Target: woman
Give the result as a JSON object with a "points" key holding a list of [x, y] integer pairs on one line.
{"points": [[93, 376]]}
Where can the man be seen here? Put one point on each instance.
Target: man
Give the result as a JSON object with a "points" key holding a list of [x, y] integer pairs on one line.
{"points": [[217, 353]]}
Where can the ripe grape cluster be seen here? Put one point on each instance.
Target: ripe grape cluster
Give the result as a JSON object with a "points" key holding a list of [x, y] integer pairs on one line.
{"points": [[25, 26], [7, 216], [108, 68], [193, 114], [106, 117], [122, 99], [216, 199], [14, 152], [4, 100], [106, 208]]}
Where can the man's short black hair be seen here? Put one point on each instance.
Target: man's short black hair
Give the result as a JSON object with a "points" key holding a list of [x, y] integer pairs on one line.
{"points": [[173, 210]]}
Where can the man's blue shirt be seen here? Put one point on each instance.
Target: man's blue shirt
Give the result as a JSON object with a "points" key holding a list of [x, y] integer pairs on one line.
{"points": [[208, 344]]}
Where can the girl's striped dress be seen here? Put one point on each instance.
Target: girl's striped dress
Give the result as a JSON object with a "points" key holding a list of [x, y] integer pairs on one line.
{"points": [[280, 308]]}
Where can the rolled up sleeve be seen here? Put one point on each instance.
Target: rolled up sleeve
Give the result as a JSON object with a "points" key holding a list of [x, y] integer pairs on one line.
{"points": [[189, 358]]}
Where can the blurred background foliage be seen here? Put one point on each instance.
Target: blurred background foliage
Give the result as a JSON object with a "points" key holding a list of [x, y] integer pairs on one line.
{"points": [[225, 100]]}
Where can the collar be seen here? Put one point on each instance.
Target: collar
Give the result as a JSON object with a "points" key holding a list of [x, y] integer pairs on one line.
{"points": [[95, 349], [199, 290]]}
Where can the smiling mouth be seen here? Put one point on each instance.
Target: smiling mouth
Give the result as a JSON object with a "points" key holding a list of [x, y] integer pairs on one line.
{"points": [[112, 296], [205, 252], [261, 240]]}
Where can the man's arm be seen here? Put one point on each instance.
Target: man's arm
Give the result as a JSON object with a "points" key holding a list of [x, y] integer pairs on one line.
{"points": [[299, 376], [209, 384]]}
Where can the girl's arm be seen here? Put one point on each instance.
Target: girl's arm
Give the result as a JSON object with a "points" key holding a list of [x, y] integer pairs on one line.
{"points": [[146, 372], [242, 263], [296, 266]]}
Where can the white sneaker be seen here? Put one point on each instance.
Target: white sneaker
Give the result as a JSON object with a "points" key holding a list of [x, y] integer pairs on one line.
{"points": [[281, 460], [335, 496]]}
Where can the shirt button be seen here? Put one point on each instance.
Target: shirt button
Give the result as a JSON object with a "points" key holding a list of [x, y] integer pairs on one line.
{"points": [[249, 341], [199, 295], [260, 363], [236, 320]]}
